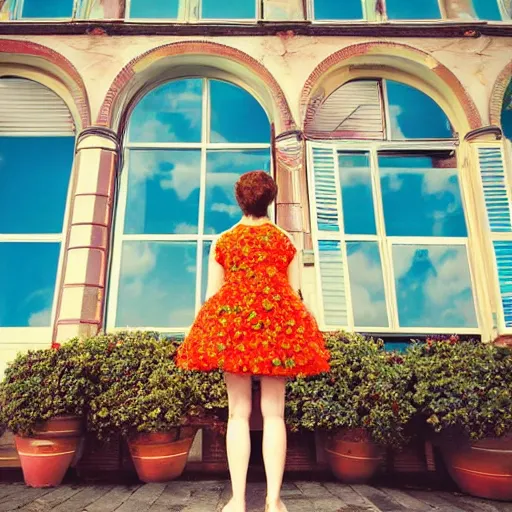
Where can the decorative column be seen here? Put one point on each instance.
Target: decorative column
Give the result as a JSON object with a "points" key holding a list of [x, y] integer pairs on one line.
{"points": [[83, 279], [292, 196]]}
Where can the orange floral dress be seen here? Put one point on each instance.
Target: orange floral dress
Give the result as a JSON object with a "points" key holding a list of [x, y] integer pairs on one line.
{"points": [[255, 324]]}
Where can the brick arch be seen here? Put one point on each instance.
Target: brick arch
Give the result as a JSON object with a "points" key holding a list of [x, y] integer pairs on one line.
{"points": [[498, 94], [45, 61], [117, 98], [401, 58]]}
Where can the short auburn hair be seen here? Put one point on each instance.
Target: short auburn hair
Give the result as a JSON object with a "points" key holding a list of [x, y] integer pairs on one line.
{"points": [[255, 191]]}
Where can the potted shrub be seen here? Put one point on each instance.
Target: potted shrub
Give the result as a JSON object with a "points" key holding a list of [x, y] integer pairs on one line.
{"points": [[43, 400], [363, 404], [463, 390], [155, 405]]}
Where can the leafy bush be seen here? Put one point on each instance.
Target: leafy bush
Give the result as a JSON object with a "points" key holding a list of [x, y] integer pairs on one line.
{"points": [[42, 384], [366, 388], [142, 390], [463, 386]]}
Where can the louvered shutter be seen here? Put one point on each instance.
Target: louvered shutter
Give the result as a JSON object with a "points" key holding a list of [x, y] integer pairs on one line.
{"points": [[496, 193], [329, 254], [351, 112], [27, 107]]}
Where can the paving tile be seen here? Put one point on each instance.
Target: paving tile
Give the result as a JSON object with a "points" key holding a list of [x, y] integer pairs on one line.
{"points": [[112, 500], [212, 495], [142, 499], [52, 499]]}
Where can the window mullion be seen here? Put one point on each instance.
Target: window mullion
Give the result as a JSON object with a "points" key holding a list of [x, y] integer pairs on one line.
{"points": [[384, 244], [385, 107], [205, 136]]}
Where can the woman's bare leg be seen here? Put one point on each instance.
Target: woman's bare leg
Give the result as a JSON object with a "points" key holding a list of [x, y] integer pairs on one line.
{"points": [[274, 438], [238, 439]]}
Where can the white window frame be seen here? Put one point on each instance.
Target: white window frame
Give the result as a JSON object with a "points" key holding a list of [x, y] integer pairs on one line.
{"points": [[18, 13], [189, 11], [384, 242], [29, 335], [200, 238]]}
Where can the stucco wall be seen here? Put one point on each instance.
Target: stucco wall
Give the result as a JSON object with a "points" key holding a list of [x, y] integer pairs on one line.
{"points": [[290, 60], [475, 62]]}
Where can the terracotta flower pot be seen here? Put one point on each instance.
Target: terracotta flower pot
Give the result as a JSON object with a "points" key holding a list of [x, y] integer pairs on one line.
{"points": [[46, 456], [162, 456], [482, 468], [353, 457]]}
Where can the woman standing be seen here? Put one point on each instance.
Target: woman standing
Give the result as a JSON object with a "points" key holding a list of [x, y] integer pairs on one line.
{"points": [[254, 324]]}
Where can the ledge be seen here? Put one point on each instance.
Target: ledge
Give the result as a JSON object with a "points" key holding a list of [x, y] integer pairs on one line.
{"points": [[443, 29]]}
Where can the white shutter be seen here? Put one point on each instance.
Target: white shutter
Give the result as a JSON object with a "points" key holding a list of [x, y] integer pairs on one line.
{"points": [[27, 107], [332, 280], [329, 253], [326, 195], [497, 204], [496, 193], [352, 111]]}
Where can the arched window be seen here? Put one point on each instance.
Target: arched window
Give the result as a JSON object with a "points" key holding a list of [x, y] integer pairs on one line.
{"points": [[36, 156], [188, 142], [389, 224]]}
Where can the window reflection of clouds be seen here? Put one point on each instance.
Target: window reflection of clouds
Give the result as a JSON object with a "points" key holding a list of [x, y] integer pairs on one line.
{"points": [[433, 286], [157, 283], [163, 191], [367, 284], [356, 189], [414, 115], [169, 113], [430, 195], [157, 286]]}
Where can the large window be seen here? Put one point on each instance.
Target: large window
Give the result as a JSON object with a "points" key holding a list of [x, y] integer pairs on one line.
{"points": [[403, 10], [188, 142], [37, 9], [194, 9], [390, 229], [36, 156]]}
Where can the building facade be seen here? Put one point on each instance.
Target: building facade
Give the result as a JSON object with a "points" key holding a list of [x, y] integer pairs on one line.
{"points": [[125, 123]]}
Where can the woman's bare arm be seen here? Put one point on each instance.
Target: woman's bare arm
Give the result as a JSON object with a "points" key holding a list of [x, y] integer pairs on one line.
{"points": [[215, 274]]}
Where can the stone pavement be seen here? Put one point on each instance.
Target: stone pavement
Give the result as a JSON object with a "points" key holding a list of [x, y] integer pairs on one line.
{"points": [[209, 496]]}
